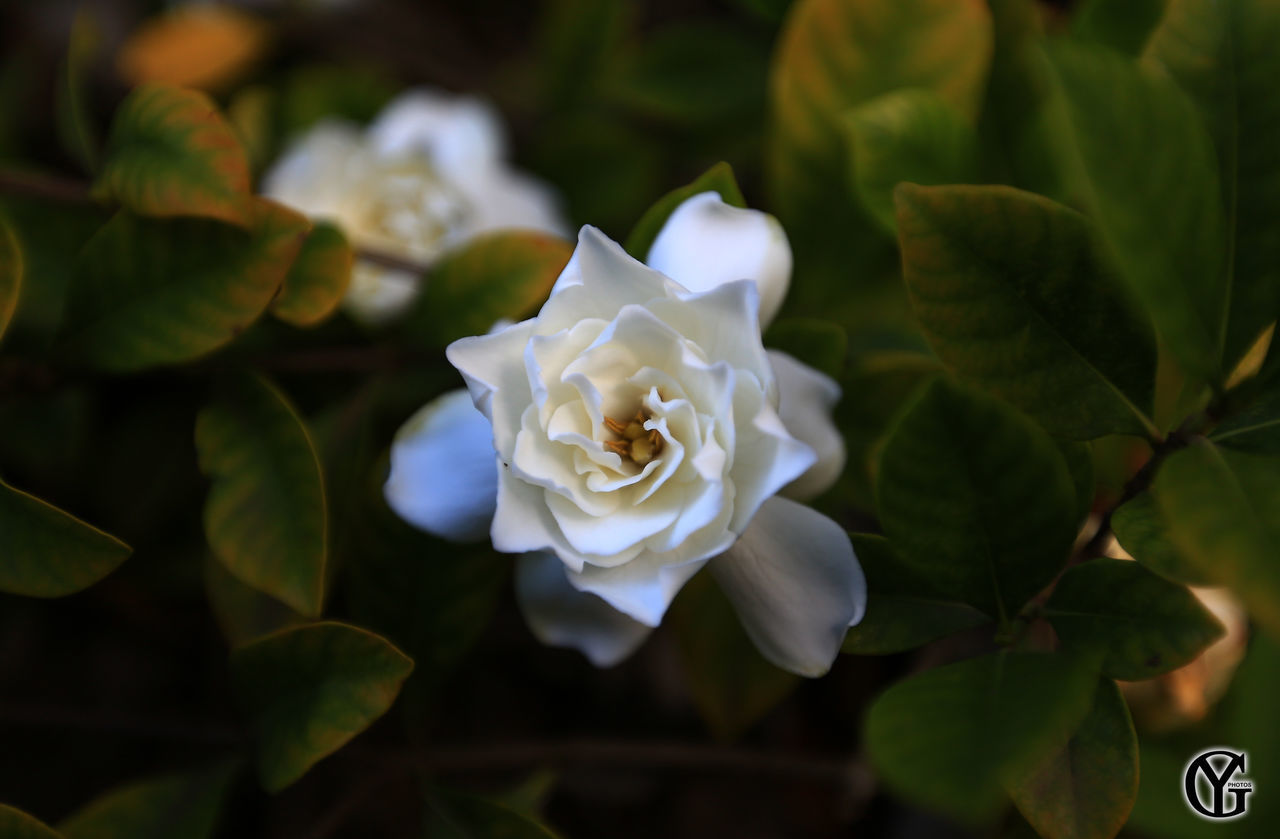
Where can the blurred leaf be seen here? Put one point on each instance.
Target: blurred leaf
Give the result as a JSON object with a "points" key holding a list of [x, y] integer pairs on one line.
{"points": [[1079, 460], [45, 552], [170, 807], [1223, 512], [1141, 530], [149, 292], [1085, 789], [576, 41], [76, 132], [171, 153], [903, 611], [906, 135], [10, 275], [1223, 55], [818, 343], [976, 499], [1257, 427], [310, 689], [1143, 625], [718, 178], [770, 11], [733, 686], [242, 612], [460, 816], [312, 93], [15, 824], [200, 45], [318, 279], [951, 738], [497, 275], [1012, 295], [252, 114], [1123, 26], [266, 516], [1141, 164]]}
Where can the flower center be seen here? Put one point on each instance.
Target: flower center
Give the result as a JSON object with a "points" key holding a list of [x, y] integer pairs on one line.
{"points": [[414, 207], [635, 444]]}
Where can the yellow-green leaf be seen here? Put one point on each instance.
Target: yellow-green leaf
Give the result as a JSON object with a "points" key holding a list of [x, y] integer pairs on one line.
{"points": [[15, 824], [10, 274], [168, 807], [318, 280]]}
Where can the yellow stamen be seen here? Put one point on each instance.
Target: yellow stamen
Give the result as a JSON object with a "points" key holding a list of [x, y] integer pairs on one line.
{"points": [[638, 444]]}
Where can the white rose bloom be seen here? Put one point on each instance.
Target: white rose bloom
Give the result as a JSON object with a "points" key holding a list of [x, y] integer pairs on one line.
{"points": [[428, 174], [637, 435]]}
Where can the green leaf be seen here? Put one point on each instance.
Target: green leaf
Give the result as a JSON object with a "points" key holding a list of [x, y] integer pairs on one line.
{"points": [[45, 552], [1223, 512], [907, 135], [150, 292], [310, 689], [576, 41], [1085, 789], [903, 611], [241, 611], [171, 153], [976, 499], [1143, 625], [951, 738], [10, 275], [315, 92], [169, 807], [733, 686], [1123, 26], [1223, 55], [819, 343], [494, 276], [1139, 161], [1079, 460], [459, 816], [265, 517], [75, 128], [316, 283], [718, 178], [1012, 295], [1141, 530], [15, 824], [1257, 427]]}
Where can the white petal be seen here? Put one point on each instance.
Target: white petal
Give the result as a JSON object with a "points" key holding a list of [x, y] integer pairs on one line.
{"points": [[462, 136], [493, 366], [322, 172], [706, 243], [505, 199], [766, 456], [641, 588], [444, 478], [598, 281], [796, 585], [561, 616], [379, 295], [806, 398]]}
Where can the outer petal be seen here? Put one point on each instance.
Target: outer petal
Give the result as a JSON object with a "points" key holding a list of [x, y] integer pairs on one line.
{"points": [[796, 585], [706, 243], [806, 398], [461, 135], [444, 478], [505, 199], [379, 295], [319, 172], [639, 588], [561, 616], [493, 367]]}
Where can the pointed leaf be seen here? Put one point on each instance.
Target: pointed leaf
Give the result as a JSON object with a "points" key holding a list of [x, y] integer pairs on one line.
{"points": [[1086, 789], [150, 292], [1012, 295], [976, 499], [15, 824], [1142, 625], [1257, 427], [318, 279], [242, 611], [718, 178], [45, 552], [310, 689], [1141, 530], [951, 738], [460, 816], [10, 274], [265, 517], [171, 153], [170, 807]]}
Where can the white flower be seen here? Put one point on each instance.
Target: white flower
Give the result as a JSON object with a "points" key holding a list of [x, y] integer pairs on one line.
{"points": [[637, 435], [428, 174]]}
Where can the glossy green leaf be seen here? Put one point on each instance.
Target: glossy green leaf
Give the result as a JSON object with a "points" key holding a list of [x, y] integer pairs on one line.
{"points": [[732, 684], [1085, 789], [170, 807], [976, 499], [1013, 296], [1123, 26], [1140, 528], [45, 552], [316, 283], [10, 275], [819, 343], [1140, 162], [15, 824], [903, 611], [75, 128], [310, 689], [718, 178], [907, 135], [1222, 53], [171, 153], [265, 516], [460, 816], [1142, 624], [949, 739], [497, 275], [149, 292], [1223, 512]]}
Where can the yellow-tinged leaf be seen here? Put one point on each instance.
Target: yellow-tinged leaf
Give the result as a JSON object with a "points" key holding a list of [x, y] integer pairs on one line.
{"points": [[200, 45], [318, 280], [10, 275]]}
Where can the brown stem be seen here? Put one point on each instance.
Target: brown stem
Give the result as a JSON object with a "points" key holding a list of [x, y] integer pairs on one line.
{"points": [[51, 187]]}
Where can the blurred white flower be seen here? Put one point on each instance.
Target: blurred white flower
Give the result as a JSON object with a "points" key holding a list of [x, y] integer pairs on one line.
{"points": [[631, 434], [426, 176]]}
